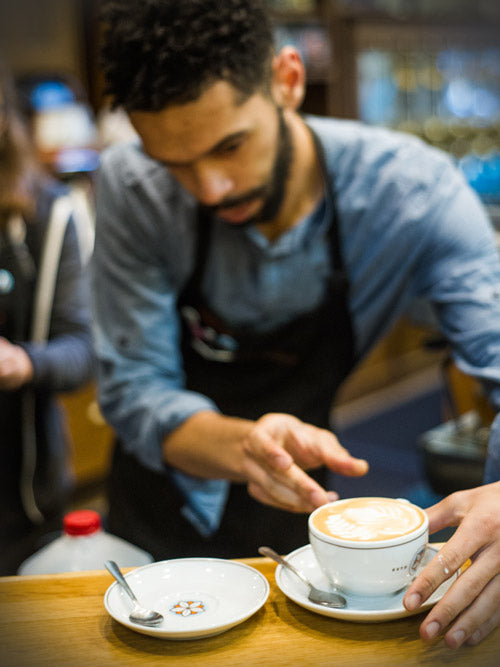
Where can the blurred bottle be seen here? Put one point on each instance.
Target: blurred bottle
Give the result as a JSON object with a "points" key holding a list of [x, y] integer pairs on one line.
{"points": [[84, 545]]}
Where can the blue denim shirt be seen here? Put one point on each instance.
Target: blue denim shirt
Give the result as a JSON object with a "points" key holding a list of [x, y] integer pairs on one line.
{"points": [[411, 229]]}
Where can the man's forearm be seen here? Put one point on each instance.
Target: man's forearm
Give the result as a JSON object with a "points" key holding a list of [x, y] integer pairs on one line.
{"points": [[208, 445]]}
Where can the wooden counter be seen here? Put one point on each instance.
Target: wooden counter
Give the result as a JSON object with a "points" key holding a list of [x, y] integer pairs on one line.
{"points": [[61, 620]]}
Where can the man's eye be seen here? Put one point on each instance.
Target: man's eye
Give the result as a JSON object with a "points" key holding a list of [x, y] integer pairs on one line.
{"points": [[230, 148]]}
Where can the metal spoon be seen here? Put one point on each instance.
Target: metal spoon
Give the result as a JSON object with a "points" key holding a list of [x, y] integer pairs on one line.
{"points": [[324, 598], [139, 614]]}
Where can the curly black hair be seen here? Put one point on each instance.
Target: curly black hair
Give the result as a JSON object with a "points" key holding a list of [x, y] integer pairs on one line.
{"points": [[161, 52]]}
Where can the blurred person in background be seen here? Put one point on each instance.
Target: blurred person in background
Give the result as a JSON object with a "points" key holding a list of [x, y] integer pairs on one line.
{"points": [[246, 259], [45, 339]]}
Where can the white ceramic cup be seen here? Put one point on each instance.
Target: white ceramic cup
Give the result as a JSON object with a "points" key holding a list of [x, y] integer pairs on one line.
{"points": [[369, 546]]}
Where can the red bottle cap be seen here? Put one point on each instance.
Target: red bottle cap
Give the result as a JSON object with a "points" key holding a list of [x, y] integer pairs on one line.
{"points": [[81, 522]]}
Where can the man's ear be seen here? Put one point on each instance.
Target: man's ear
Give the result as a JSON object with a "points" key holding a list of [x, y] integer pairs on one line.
{"points": [[289, 78]]}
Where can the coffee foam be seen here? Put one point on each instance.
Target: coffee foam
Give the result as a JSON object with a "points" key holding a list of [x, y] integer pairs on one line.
{"points": [[369, 519]]}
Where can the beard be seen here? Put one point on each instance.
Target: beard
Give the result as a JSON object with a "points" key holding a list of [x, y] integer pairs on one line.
{"points": [[273, 193]]}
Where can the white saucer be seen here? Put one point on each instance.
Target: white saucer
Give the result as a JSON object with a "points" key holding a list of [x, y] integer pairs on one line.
{"points": [[358, 608], [198, 597]]}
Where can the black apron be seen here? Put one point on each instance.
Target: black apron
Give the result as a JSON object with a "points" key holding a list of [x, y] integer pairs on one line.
{"points": [[296, 369]]}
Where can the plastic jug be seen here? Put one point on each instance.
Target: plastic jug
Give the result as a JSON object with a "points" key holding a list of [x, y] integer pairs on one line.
{"points": [[84, 545]]}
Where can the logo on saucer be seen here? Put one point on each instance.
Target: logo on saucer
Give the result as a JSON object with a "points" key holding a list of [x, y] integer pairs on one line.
{"points": [[187, 608]]}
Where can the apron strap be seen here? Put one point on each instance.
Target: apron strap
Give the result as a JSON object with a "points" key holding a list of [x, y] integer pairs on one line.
{"points": [[49, 264], [202, 241], [333, 231]]}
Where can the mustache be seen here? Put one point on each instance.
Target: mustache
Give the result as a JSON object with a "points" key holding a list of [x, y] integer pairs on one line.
{"points": [[230, 202]]}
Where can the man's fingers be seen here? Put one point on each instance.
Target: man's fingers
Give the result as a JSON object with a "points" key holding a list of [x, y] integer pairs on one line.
{"points": [[262, 447], [470, 609], [279, 440], [287, 501], [444, 564], [328, 451], [491, 614], [462, 595], [478, 615], [352, 467], [293, 490], [478, 619]]}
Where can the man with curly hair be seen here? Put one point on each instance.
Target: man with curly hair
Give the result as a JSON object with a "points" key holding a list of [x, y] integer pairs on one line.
{"points": [[246, 259]]}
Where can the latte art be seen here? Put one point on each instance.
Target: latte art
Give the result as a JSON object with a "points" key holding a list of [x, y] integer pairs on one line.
{"points": [[369, 519]]}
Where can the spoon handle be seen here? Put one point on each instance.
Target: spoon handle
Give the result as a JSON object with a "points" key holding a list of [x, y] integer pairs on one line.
{"points": [[270, 553], [113, 569]]}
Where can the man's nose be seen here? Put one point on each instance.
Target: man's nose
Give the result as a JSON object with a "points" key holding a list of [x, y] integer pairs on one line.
{"points": [[212, 185]]}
